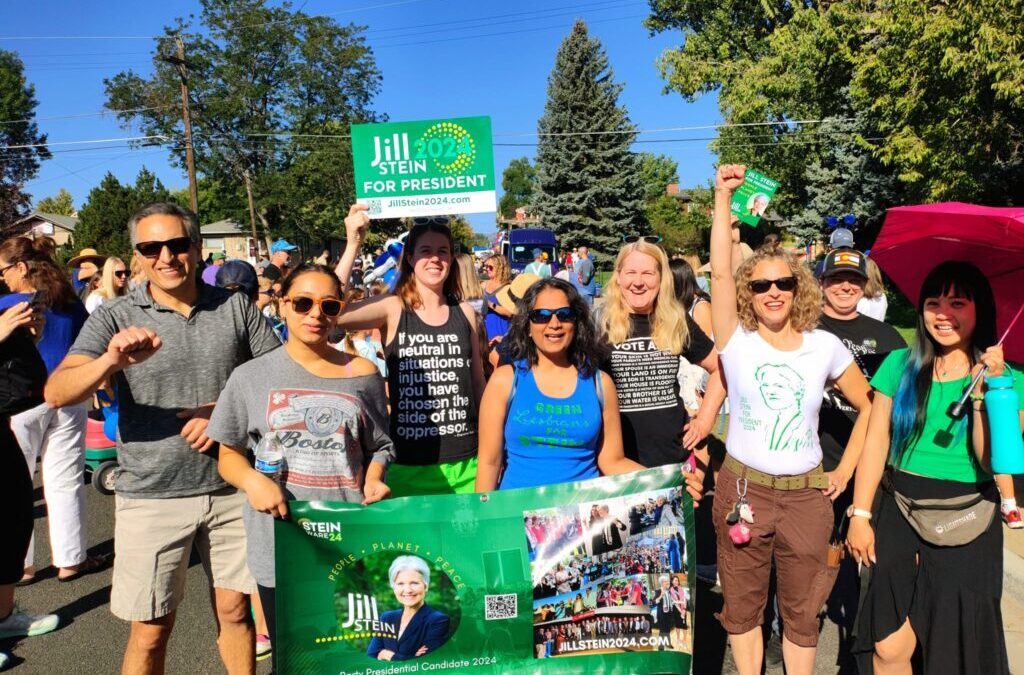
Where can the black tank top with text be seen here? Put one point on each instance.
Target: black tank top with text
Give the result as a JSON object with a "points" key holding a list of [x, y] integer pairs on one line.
{"points": [[430, 386]]}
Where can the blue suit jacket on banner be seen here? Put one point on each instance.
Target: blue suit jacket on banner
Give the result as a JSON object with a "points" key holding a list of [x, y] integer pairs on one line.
{"points": [[428, 627]]}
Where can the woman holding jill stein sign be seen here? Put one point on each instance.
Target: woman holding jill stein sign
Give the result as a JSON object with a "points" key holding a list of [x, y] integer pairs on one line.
{"points": [[435, 368]]}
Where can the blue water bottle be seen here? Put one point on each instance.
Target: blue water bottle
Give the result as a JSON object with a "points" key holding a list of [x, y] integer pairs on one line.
{"points": [[1004, 425]]}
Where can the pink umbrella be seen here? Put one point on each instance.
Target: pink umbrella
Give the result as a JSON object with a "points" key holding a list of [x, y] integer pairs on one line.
{"points": [[914, 239]]}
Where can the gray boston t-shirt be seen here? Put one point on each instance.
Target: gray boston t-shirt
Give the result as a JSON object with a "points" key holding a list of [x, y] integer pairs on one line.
{"points": [[330, 429], [197, 355]]}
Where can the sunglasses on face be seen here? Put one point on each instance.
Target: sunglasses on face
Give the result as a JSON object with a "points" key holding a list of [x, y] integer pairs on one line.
{"points": [[328, 307], [543, 316], [649, 238], [152, 249], [784, 284], [120, 274]]}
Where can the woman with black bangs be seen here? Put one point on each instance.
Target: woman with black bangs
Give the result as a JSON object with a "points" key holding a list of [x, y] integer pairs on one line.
{"points": [[936, 586]]}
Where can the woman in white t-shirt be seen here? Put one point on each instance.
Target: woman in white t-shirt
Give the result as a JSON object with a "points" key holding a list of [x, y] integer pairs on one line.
{"points": [[777, 367]]}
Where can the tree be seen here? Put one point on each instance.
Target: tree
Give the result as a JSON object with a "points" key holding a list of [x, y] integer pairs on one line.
{"points": [[657, 172], [271, 90], [518, 183], [102, 221], [589, 189], [17, 165], [935, 96], [845, 179], [61, 204]]}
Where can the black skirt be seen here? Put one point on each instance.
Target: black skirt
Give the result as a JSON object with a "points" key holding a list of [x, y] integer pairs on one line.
{"points": [[951, 594]]}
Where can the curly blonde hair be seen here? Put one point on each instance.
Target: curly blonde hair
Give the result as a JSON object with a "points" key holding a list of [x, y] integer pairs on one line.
{"points": [[806, 308], [668, 320]]}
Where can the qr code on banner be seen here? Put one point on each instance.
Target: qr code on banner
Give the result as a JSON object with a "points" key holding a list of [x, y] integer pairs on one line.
{"points": [[376, 207], [500, 606]]}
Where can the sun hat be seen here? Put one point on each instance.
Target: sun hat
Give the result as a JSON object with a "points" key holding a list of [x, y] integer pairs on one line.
{"points": [[510, 294], [89, 255]]}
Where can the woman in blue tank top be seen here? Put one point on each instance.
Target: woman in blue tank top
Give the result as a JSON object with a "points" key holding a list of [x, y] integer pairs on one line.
{"points": [[561, 413]]}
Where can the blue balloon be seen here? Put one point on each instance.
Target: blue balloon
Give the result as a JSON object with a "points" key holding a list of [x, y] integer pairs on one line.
{"points": [[832, 221], [850, 219]]}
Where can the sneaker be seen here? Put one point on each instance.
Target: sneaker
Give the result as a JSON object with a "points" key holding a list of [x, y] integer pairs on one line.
{"points": [[1012, 518], [19, 624], [263, 647]]}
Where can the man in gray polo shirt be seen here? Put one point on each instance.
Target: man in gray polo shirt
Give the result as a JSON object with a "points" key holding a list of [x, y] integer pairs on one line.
{"points": [[169, 347]]}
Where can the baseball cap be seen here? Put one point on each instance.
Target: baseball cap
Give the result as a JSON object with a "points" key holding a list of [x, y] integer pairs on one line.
{"points": [[510, 294], [282, 245], [537, 252], [845, 260], [217, 255], [238, 273], [841, 238]]}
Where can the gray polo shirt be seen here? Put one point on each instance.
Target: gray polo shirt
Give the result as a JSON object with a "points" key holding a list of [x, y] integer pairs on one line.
{"points": [[197, 355]]}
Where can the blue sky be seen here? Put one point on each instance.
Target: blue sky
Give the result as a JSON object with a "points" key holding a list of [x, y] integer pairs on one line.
{"points": [[497, 65]]}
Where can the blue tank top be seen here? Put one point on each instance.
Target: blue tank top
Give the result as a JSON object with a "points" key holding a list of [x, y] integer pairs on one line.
{"points": [[495, 324], [551, 440]]}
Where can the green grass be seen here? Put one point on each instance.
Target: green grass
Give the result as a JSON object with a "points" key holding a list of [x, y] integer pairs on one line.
{"points": [[907, 332]]}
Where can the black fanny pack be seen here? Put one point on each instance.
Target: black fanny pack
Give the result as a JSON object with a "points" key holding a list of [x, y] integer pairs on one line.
{"points": [[951, 521]]}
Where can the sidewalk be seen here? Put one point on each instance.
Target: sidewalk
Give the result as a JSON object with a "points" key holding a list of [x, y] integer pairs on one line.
{"points": [[1013, 597]]}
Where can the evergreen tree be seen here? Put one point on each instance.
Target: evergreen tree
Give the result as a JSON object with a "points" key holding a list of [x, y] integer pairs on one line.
{"points": [[846, 178], [103, 220], [589, 189]]}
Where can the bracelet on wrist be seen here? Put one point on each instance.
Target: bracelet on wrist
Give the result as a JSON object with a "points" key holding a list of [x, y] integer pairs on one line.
{"points": [[977, 397]]}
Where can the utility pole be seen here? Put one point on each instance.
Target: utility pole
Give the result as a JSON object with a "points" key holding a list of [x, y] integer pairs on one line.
{"points": [[252, 211], [190, 165]]}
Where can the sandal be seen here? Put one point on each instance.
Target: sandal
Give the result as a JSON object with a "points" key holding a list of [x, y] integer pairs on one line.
{"points": [[93, 563]]}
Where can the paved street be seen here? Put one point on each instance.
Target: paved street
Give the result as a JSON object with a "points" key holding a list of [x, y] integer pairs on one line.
{"points": [[91, 640]]}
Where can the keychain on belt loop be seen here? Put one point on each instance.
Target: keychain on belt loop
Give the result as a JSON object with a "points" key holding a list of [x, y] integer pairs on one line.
{"points": [[741, 516]]}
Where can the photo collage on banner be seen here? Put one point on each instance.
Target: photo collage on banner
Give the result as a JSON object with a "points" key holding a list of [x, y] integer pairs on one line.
{"points": [[610, 576]]}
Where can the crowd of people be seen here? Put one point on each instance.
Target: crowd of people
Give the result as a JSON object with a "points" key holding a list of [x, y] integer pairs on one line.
{"points": [[200, 360]]}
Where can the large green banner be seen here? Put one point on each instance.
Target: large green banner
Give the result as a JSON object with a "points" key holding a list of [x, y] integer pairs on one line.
{"points": [[590, 577], [424, 168]]}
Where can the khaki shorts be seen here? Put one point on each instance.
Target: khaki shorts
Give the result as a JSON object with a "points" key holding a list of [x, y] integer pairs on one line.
{"points": [[153, 540], [795, 527]]}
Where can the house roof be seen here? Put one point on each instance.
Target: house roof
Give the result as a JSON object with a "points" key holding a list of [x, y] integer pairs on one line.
{"points": [[66, 222], [222, 228]]}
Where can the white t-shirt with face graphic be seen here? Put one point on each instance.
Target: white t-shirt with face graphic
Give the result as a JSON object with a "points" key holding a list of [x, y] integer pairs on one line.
{"points": [[775, 396]]}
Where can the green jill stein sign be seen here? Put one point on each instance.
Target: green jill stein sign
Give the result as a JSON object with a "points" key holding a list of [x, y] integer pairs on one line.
{"points": [[424, 168]]}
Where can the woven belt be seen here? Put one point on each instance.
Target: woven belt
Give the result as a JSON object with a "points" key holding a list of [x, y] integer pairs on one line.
{"points": [[815, 478]]}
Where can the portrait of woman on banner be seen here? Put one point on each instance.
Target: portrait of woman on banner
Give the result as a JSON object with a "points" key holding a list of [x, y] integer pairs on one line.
{"points": [[417, 628]]}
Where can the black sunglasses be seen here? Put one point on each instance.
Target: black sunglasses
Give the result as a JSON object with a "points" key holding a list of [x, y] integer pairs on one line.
{"points": [[304, 305], [152, 249], [543, 316], [430, 220], [120, 274], [784, 284], [649, 238]]}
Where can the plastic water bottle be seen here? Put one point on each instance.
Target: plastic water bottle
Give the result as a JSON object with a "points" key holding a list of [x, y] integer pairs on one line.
{"points": [[270, 457], [1004, 425]]}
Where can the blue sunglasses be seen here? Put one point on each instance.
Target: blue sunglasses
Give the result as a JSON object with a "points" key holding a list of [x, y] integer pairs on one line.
{"points": [[543, 316]]}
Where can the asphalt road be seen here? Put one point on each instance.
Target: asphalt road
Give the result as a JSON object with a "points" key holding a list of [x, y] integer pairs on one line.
{"points": [[91, 640]]}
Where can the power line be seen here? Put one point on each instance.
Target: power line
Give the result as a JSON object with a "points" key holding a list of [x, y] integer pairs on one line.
{"points": [[80, 115], [96, 140]]}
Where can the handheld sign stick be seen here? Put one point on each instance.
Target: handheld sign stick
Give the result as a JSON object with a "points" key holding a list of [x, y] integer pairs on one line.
{"points": [[956, 409]]}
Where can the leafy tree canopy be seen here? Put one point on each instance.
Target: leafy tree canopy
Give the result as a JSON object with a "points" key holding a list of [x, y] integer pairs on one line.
{"points": [[20, 165], [61, 204], [271, 89]]}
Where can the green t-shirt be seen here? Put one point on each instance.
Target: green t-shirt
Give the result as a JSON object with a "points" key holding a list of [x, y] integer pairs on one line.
{"points": [[930, 455]]}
